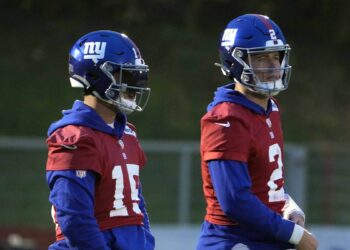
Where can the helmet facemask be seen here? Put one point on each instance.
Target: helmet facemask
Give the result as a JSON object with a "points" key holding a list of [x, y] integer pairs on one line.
{"points": [[128, 90], [267, 81]]}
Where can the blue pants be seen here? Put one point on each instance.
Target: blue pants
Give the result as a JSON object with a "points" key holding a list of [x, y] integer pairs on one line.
{"points": [[120, 238], [215, 237]]}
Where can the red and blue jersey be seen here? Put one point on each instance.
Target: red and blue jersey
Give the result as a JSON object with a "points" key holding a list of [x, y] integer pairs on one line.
{"points": [[93, 175], [242, 165], [230, 131], [115, 161]]}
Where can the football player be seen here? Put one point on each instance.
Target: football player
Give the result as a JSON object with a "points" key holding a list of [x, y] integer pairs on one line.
{"points": [[94, 156], [242, 146]]}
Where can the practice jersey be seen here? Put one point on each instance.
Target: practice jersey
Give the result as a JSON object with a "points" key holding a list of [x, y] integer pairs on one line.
{"points": [[115, 161], [231, 131]]}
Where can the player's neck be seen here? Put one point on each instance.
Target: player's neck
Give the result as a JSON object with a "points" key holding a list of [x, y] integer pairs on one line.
{"points": [[106, 113], [256, 98], [260, 100]]}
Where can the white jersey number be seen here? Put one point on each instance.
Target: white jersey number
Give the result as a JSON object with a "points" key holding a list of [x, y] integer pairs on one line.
{"points": [[274, 194], [118, 204]]}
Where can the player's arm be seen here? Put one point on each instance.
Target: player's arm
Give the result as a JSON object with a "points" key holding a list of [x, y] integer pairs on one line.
{"points": [[232, 185], [72, 195], [142, 206]]}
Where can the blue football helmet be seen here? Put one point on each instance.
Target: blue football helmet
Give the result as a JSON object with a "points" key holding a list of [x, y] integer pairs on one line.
{"points": [[245, 37], [109, 65]]}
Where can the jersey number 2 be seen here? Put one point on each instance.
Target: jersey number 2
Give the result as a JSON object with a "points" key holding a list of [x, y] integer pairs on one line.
{"points": [[118, 204], [274, 193]]}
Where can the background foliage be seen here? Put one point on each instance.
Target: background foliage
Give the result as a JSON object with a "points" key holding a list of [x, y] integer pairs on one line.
{"points": [[178, 39]]}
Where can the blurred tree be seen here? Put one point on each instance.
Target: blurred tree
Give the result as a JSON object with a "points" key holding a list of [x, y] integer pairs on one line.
{"points": [[178, 40]]}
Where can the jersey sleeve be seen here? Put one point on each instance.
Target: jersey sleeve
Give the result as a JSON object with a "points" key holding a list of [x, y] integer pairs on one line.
{"points": [[72, 194], [142, 205], [225, 138], [232, 185], [72, 148]]}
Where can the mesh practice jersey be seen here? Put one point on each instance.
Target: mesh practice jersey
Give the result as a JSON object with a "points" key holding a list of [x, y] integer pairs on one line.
{"points": [[116, 162], [231, 131]]}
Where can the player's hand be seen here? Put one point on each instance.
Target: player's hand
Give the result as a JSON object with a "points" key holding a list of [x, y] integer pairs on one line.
{"points": [[297, 219], [307, 242]]}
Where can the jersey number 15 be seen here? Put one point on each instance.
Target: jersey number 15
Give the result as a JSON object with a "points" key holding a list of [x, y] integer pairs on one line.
{"points": [[118, 204]]}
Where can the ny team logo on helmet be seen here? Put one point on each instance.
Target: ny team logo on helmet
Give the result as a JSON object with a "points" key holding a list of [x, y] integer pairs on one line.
{"points": [[108, 65], [249, 35], [94, 51]]}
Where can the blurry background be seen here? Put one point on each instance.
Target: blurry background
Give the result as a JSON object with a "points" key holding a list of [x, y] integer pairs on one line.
{"points": [[178, 39]]}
